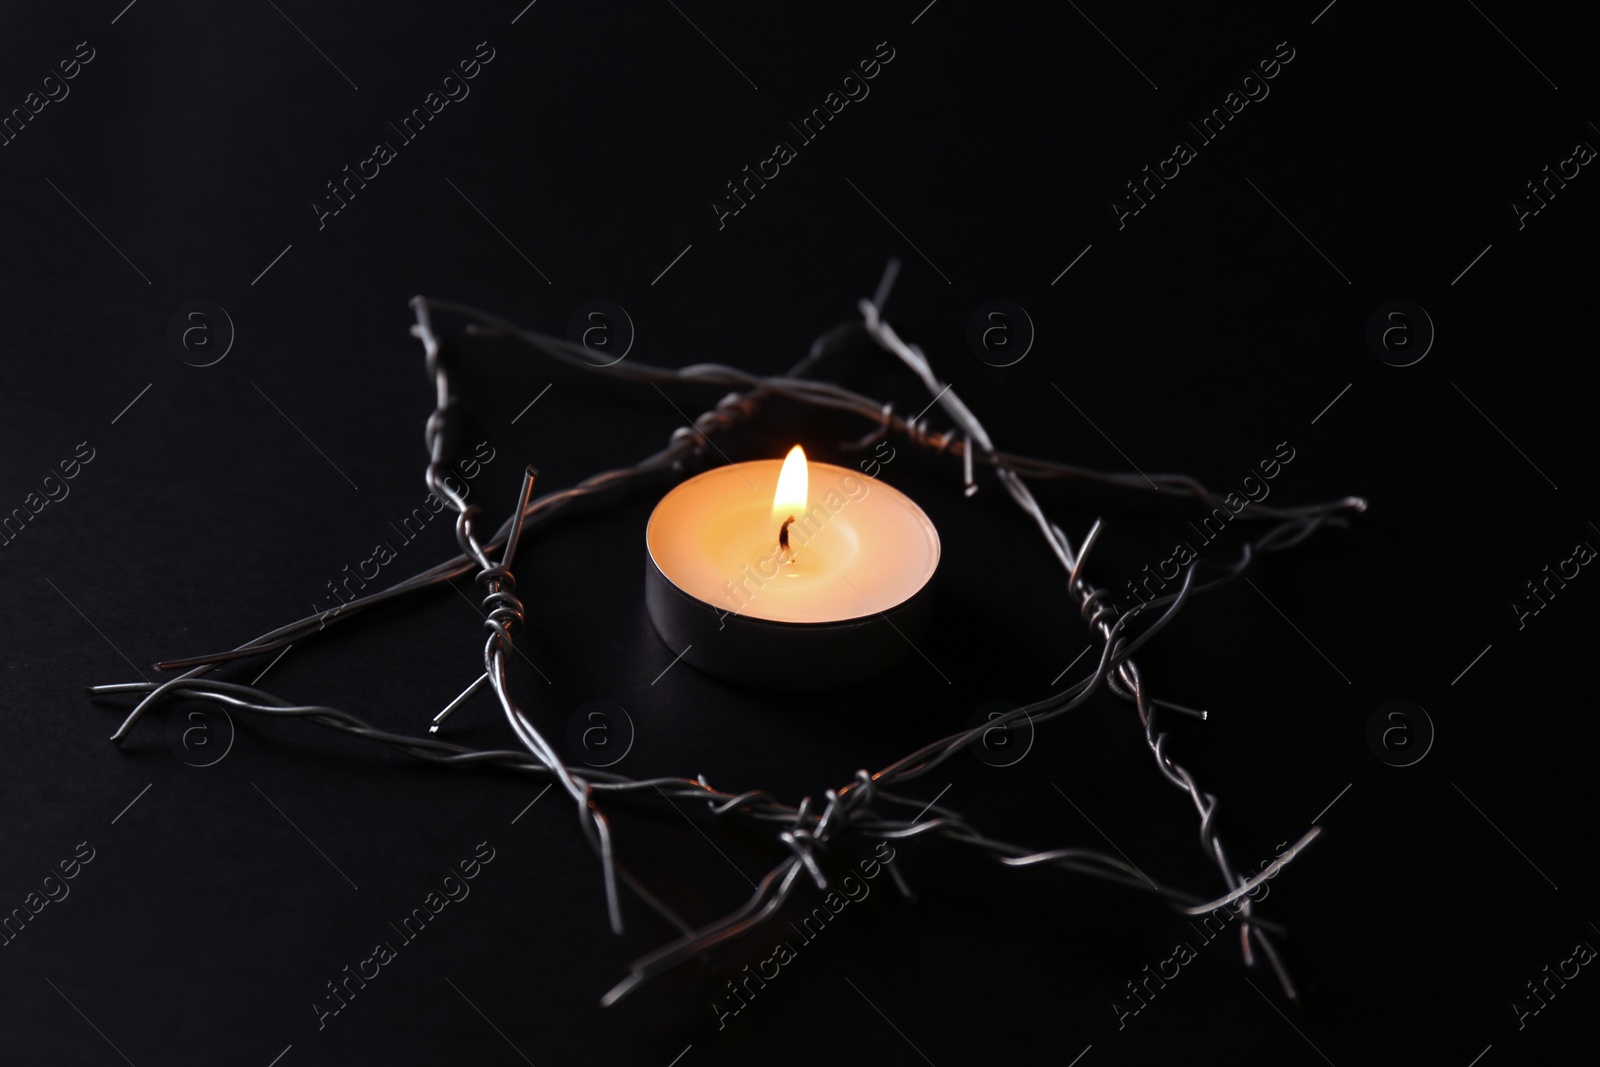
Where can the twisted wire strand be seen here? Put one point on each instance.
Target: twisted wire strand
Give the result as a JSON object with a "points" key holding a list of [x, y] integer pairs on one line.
{"points": [[807, 830], [779, 883], [504, 612], [827, 394], [1126, 682], [751, 804]]}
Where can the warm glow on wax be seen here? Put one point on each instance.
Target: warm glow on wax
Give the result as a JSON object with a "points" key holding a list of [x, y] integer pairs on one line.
{"points": [[787, 540]]}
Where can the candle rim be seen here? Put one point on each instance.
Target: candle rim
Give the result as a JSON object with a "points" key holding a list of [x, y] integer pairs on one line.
{"points": [[900, 499]]}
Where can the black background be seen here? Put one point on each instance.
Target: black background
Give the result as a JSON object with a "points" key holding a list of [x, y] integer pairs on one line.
{"points": [[1196, 338]]}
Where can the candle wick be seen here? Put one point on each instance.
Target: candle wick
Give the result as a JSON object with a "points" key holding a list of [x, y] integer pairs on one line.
{"points": [[783, 539]]}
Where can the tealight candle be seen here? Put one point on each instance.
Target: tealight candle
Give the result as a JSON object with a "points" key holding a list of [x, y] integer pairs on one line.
{"points": [[789, 574]]}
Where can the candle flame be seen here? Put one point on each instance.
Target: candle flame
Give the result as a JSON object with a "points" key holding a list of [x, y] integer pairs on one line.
{"points": [[793, 486]]}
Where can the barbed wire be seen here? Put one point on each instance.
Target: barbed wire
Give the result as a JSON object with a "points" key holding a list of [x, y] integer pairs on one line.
{"points": [[808, 828]]}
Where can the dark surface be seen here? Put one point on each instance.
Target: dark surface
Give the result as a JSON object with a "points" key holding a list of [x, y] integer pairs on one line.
{"points": [[1196, 338]]}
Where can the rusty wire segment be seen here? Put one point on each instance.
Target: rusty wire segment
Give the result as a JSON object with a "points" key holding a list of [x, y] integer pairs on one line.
{"points": [[864, 806]]}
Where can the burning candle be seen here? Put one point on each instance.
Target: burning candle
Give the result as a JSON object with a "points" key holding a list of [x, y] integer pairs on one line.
{"points": [[756, 567]]}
